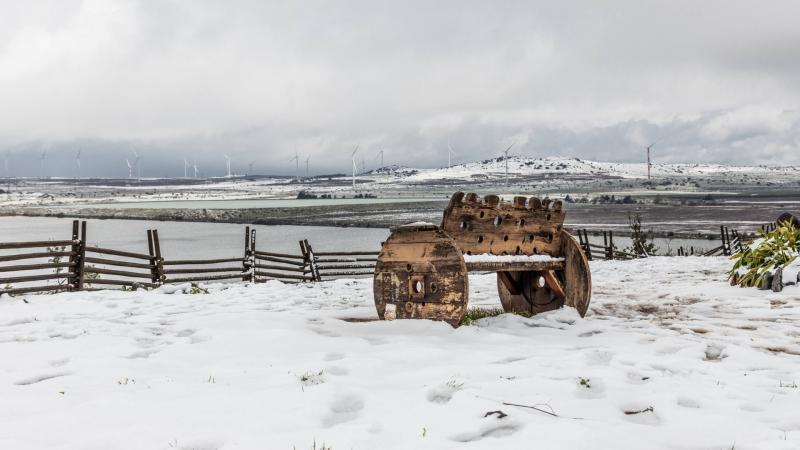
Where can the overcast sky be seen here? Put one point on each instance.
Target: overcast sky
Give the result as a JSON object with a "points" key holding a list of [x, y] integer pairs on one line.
{"points": [[710, 81]]}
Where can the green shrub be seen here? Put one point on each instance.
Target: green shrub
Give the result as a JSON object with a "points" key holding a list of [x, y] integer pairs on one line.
{"points": [[773, 250]]}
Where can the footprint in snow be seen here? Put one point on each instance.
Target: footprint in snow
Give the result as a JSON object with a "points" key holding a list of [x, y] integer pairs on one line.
{"points": [[337, 370], [336, 356], [687, 402], [185, 333], [444, 392], [502, 428], [344, 408], [39, 378]]}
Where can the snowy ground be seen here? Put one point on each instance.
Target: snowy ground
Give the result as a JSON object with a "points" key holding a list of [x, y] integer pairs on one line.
{"points": [[704, 364]]}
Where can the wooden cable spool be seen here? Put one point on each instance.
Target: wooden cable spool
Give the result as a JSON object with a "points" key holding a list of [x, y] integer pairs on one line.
{"points": [[422, 272]]}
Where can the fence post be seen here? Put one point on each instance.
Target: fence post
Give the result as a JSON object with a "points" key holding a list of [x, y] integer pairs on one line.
{"points": [[80, 256], [73, 259], [247, 266], [153, 261], [159, 260], [253, 254], [310, 260], [587, 247], [611, 245]]}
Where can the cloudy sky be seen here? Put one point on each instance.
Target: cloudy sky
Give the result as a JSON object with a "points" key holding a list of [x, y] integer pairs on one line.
{"points": [[710, 81]]}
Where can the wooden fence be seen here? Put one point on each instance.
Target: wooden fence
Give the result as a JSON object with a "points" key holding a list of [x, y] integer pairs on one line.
{"points": [[74, 265]]}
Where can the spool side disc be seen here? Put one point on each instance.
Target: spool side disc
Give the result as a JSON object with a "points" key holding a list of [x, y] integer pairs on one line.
{"points": [[577, 276], [421, 271]]}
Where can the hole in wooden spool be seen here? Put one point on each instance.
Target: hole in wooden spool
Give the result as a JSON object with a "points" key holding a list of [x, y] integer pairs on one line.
{"points": [[505, 238], [549, 237], [417, 287], [535, 251], [530, 237], [463, 224], [408, 267], [469, 253], [481, 215], [522, 222], [433, 287], [548, 217], [497, 221], [517, 250], [540, 282], [480, 239]]}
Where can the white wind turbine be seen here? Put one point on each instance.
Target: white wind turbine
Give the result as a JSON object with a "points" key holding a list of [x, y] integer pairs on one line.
{"points": [[130, 168], [506, 160], [380, 155], [43, 157], [136, 160], [228, 162], [296, 160], [450, 152], [78, 162], [196, 171], [186, 167], [649, 165], [355, 166], [307, 159]]}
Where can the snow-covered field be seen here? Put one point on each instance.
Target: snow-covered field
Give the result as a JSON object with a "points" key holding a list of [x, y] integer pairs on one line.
{"points": [[669, 356]]}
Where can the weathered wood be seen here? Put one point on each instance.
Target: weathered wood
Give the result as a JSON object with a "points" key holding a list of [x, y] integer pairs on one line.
{"points": [[76, 247], [282, 261], [345, 260], [114, 262], [129, 283], [121, 273], [501, 228], [421, 271], [81, 267], [34, 289], [108, 251], [513, 266], [364, 253], [282, 275], [26, 278], [277, 255], [577, 277], [189, 262], [24, 267], [532, 294], [205, 270], [271, 267], [203, 278], [159, 261], [34, 244], [36, 255], [346, 266]]}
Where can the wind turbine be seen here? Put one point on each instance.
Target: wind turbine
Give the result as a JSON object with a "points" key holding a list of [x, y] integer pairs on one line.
{"points": [[307, 158], [649, 165], [43, 157], [355, 167], [450, 152], [136, 160], [380, 155], [250, 167], [228, 161], [195, 169], [186, 166], [296, 160], [130, 168], [78, 162], [506, 159]]}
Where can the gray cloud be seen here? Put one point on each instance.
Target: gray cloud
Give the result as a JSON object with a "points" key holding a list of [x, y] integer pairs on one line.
{"points": [[713, 81]]}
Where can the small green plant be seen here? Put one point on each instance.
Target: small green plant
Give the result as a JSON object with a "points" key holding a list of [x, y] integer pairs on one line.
{"points": [[311, 378], [641, 241], [774, 249], [55, 259], [585, 382], [474, 314], [195, 289]]}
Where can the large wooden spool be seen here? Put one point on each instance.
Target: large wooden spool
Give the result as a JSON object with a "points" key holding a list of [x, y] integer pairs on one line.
{"points": [[422, 272], [422, 269]]}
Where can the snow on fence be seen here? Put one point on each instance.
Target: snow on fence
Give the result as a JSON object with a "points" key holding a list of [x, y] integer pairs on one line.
{"points": [[74, 265]]}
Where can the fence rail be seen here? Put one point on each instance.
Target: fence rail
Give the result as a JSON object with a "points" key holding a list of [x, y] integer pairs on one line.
{"points": [[73, 265]]}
